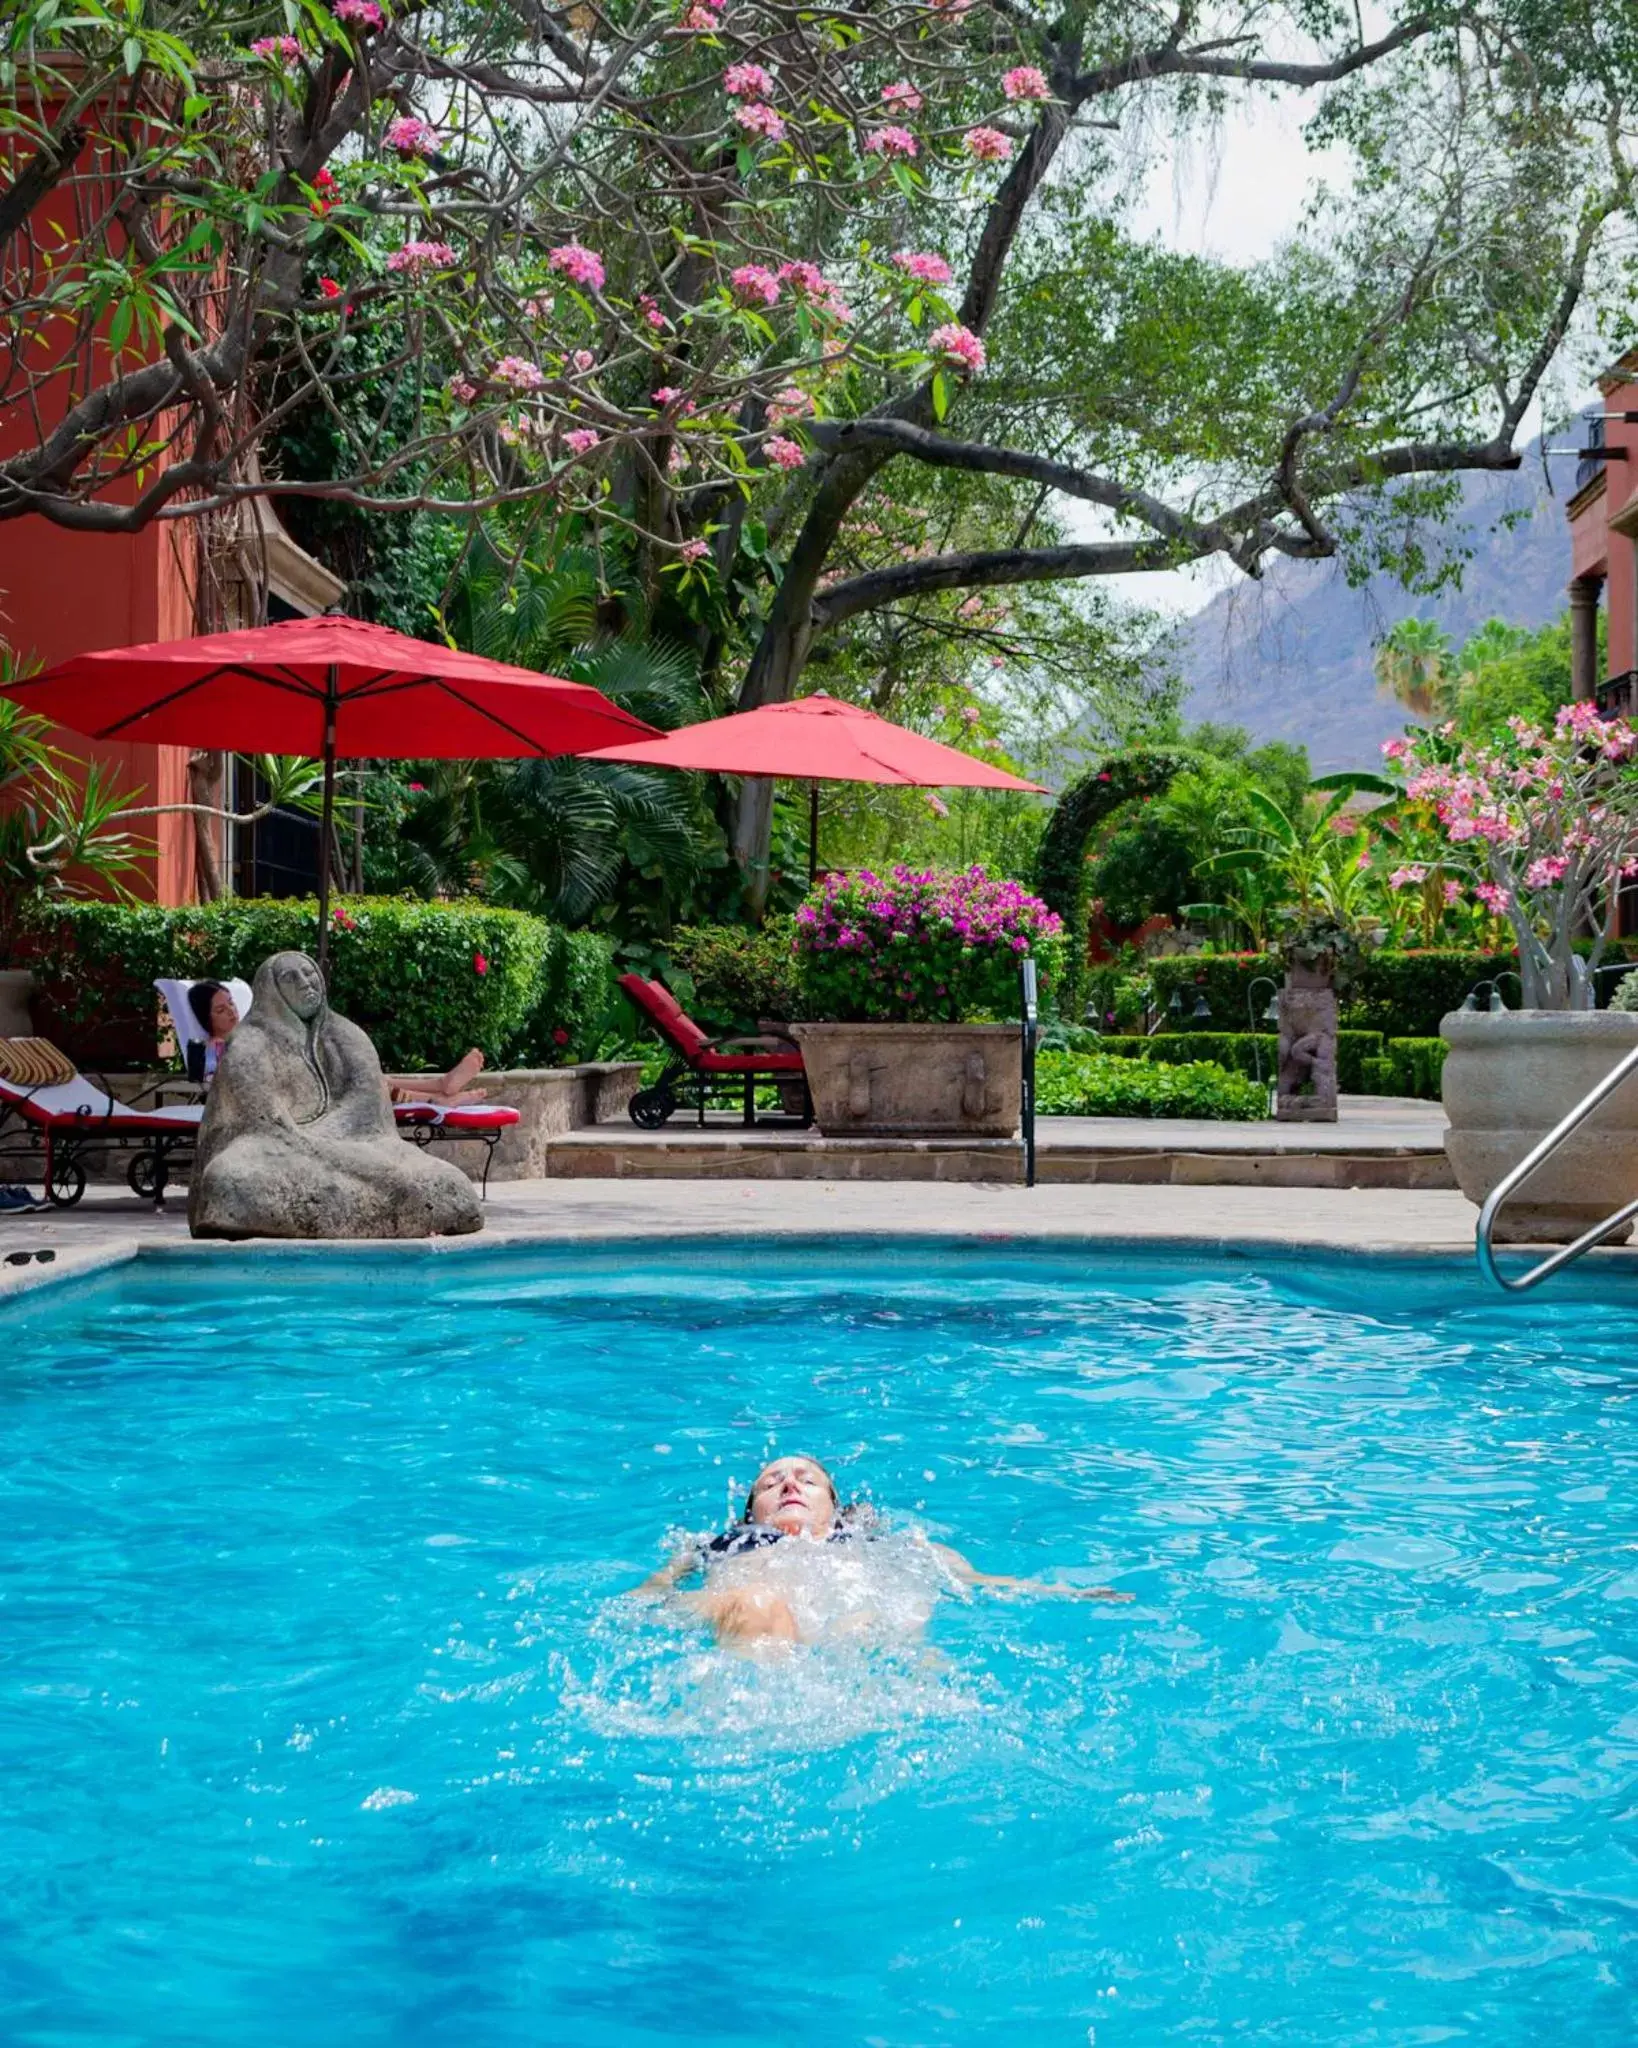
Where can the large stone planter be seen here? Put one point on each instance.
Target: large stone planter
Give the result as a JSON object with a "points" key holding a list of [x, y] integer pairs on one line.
{"points": [[16, 986], [914, 1080], [1509, 1079]]}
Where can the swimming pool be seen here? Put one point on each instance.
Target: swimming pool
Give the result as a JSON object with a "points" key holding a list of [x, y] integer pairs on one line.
{"points": [[321, 1718]]}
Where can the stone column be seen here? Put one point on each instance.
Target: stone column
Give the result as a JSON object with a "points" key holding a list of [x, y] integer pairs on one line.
{"points": [[1584, 593]]}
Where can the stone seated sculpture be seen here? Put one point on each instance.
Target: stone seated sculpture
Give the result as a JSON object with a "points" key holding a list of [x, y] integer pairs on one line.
{"points": [[298, 1138]]}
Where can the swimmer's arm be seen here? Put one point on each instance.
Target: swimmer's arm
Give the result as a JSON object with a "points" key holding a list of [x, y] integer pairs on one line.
{"points": [[966, 1574], [658, 1584]]}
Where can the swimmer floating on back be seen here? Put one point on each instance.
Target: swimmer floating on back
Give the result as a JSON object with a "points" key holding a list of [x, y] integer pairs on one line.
{"points": [[750, 1594]]}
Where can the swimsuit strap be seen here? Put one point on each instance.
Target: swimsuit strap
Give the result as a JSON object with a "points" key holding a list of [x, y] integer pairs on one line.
{"points": [[756, 1535]]}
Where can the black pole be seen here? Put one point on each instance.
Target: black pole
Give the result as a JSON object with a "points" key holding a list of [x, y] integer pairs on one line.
{"points": [[1029, 1007], [813, 833], [332, 696]]}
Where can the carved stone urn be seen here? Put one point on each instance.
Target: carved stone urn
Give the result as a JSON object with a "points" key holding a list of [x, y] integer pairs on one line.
{"points": [[1509, 1078], [914, 1080]]}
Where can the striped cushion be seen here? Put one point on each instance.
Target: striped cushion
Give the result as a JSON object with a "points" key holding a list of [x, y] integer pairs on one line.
{"points": [[34, 1063]]}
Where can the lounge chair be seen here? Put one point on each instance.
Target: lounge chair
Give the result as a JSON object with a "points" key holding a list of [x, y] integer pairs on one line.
{"points": [[712, 1065], [65, 1120], [422, 1123]]}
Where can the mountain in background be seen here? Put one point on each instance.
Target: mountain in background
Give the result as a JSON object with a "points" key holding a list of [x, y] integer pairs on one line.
{"points": [[1289, 657]]}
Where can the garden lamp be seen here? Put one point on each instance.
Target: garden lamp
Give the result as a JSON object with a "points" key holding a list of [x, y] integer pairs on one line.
{"points": [[1175, 1007], [1202, 1009]]}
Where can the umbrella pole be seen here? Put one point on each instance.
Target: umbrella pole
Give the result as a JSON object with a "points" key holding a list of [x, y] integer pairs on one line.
{"points": [[327, 825], [813, 833]]}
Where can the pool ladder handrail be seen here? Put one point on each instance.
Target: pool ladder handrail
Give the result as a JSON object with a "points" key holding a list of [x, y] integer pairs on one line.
{"points": [[1512, 1180]]}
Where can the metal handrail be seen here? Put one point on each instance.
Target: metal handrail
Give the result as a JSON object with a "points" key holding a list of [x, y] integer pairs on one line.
{"points": [[1511, 1181]]}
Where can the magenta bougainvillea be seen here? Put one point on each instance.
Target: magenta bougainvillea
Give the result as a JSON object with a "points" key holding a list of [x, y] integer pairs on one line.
{"points": [[925, 944]]}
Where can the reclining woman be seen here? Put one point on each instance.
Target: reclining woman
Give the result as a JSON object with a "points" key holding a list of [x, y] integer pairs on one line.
{"points": [[793, 1569], [217, 1013]]}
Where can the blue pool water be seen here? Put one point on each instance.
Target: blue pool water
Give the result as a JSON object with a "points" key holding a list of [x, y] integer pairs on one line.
{"points": [[322, 1720]]}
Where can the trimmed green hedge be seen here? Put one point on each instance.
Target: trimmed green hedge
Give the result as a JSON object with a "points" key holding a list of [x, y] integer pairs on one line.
{"points": [[1240, 1051], [425, 980], [1408, 1066], [1093, 1084], [1400, 995]]}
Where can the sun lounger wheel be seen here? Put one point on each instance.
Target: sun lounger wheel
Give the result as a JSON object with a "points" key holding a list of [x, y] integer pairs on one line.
{"points": [[649, 1108], [66, 1184], [141, 1174]]}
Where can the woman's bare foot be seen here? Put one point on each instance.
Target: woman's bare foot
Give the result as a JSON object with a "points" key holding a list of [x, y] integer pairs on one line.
{"points": [[461, 1076]]}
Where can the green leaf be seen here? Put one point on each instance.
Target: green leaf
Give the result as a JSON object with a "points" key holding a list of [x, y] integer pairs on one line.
{"points": [[133, 55], [941, 394], [119, 328], [905, 179]]}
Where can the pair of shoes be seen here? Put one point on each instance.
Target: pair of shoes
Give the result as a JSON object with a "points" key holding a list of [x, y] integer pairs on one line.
{"points": [[16, 1201]]}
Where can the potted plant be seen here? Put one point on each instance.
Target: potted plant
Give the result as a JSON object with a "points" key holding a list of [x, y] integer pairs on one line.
{"points": [[1540, 828], [912, 972]]}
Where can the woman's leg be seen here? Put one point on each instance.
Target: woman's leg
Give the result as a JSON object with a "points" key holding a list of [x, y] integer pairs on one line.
{"points": [[449, 1090]]}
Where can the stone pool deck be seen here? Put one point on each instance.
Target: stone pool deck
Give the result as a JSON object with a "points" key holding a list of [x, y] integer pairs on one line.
{"points": [[1377, 1142]]}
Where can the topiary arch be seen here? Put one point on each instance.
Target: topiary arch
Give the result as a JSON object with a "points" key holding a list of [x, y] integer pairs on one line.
{"points": [[1060, 866]]}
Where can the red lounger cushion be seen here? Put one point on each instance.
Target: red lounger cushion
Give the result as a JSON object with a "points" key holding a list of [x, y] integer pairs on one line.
{"points": [[751, 1063], [475, 1116]]}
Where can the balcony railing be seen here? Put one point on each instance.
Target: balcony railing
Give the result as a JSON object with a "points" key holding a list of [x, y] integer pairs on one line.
{"points": [[1592, 449], [1617, 696]]}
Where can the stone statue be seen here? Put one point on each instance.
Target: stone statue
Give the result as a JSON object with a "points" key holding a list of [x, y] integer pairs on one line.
{"points": [[298, 1138], [1307, 1092]]}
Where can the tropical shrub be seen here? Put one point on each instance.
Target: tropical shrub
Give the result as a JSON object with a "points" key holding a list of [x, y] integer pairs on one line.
{"points": [[739, 974], [425, 980], [1253, 1054], [1092, 1084], [919, 946]]}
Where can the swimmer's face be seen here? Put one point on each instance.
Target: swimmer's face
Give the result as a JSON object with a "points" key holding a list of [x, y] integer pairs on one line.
{"points": [[794, 1495]]}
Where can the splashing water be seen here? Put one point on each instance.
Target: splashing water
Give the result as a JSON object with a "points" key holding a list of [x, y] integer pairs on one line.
{"points": [[323, 1715]]}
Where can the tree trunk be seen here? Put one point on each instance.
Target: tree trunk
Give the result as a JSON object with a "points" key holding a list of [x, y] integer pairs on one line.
{"points": [[205, 787]]}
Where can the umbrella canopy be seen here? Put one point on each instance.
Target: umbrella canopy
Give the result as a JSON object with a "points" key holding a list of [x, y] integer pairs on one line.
{"points": [[282, 689], [816, 739], [328, 687]]}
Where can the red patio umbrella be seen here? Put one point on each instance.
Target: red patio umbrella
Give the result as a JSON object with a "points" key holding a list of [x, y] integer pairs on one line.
{"points": [[337, 689], [816, 739]]}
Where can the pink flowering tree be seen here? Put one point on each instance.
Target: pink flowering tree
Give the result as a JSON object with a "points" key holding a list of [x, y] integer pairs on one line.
{"points": [[708, 270], [1540, 830]]}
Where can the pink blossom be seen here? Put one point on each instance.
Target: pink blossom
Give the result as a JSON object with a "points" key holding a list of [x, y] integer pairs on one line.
{"points": [[650, 310], [757, 119], [923, 266], [540, 307], [414, 257], [668, 394], [937, 805], [1395, 750], [970, 714], [1492, 897], [747, 82], [970, 607], [902, 97], [786, 453], [1543, 873], [890, 141], [959, 347], [807, 281], [791, 403], [1453, 895], [279, 49], [579, 265], [753, 282], [1407, 877], [583, 359], [694, 550], [700, 20], [409, 135], [519, 374], [365, 12], [987, 145], [462, 390], [582, 439], [1025, 82]]}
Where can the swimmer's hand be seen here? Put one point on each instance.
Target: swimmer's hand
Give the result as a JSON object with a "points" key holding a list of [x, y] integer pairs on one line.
{"points": [[966, 1574]]}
